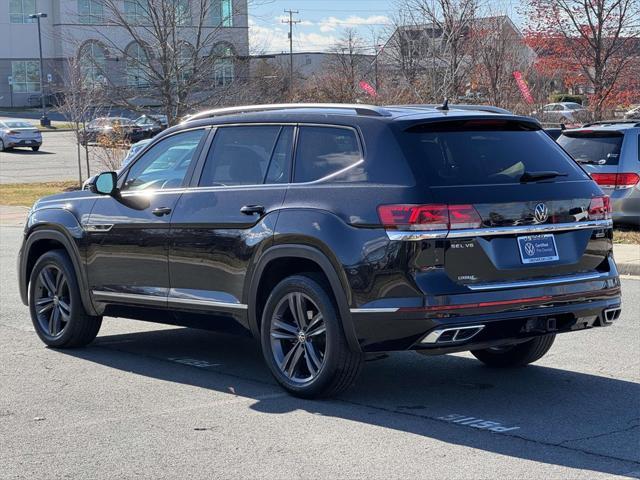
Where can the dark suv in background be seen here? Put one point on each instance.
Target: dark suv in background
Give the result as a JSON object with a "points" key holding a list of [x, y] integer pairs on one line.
{"points": [[331, 232]]}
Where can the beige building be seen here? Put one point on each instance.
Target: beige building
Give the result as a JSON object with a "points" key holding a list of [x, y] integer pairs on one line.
{"points": [[80, 29]]}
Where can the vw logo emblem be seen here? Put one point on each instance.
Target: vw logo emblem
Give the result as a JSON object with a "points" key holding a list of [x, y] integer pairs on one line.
{"points": [[529, 249], [541, 213]]}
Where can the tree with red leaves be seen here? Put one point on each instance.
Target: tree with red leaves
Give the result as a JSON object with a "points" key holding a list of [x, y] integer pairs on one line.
{"points": [[590, 43]]}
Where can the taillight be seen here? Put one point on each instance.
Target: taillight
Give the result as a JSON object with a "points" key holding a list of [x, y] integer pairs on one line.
{"points": [[429, 217], [600, 208], [616, 180]]}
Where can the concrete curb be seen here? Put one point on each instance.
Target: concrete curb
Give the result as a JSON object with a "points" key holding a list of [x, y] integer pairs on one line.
{"points": [[631, 269], [57, 130]]}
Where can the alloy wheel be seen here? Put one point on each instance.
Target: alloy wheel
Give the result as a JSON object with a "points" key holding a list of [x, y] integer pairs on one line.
{"points": [[298, 337], [52, 301]]}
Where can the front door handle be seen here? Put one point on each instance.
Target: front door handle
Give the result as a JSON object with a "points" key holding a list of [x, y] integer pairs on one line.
{"points": [[161, 211], [252, 210]]}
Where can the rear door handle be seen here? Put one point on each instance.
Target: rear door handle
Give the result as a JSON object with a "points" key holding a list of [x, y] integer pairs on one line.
{"points": [[162, 211], [252, 209]]}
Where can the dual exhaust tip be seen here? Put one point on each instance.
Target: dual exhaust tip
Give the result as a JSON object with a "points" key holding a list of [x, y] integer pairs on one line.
{"points": [[611, 314], [452, 335]]}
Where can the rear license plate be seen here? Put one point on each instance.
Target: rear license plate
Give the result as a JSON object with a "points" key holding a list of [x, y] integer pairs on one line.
{"points": [[538, 248]]}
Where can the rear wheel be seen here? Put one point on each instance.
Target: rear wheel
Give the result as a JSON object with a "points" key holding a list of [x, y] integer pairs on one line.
{"points": [[1, 145], [517, 355], [303, 341], [35, 149], [55, 304]]}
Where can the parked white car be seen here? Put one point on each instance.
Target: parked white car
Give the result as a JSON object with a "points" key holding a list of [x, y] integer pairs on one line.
{"points": [[18, 133], [563, 112]]}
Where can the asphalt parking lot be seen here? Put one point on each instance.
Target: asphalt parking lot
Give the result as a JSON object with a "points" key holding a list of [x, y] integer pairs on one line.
{"points": [[56, 160], [162, 402]]}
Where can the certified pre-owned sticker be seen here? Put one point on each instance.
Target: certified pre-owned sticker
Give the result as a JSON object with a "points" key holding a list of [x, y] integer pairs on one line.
{"points": [[477, 423]]}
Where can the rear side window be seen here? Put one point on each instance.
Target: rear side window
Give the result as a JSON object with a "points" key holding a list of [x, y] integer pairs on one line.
{"points": [[242, 156], [593, 147], [482, 153], [323, 151]]}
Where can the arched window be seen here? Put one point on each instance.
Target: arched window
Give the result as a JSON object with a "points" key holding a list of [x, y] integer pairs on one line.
{"points": [[93, 60], [137, 59], [223, 65]]}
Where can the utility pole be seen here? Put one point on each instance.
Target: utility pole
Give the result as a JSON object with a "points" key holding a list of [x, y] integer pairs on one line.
{"points": [[291, 23], [44, 121]]}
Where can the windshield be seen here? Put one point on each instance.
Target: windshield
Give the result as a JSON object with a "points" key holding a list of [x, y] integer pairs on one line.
{"points": [[476, 154], [598, 148]]}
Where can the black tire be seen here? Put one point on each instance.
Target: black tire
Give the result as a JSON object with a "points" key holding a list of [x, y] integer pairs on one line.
{"points": [[72, 327], [1, 145], [336, 365], [517, 355], [35, 149]]}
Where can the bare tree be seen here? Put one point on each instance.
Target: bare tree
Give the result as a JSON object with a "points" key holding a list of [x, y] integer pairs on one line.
{"points": [[175, 51], [78, 101], [500, 51], [595, 35], [447, 25]]}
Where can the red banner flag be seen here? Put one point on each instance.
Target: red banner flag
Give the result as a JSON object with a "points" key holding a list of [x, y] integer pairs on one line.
{"points": [[368, 88], [524, 88]]}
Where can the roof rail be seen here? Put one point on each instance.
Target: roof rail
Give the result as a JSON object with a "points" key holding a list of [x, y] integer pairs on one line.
{"points": [[613, 122], [369, 110], [481, 108]]}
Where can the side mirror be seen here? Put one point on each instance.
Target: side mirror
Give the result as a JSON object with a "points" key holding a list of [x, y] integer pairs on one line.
{"points": [[105, 184]]}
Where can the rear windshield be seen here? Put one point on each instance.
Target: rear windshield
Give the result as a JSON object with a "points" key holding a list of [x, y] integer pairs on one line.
{"points": [[483, 153], [594, 148]]}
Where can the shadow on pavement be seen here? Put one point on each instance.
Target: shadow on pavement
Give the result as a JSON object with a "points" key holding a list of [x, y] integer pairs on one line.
{"points": [[565, 418], [27, 151]]}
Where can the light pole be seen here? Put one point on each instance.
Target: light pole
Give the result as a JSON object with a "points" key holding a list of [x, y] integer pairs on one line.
{"points": [[44, 121]]}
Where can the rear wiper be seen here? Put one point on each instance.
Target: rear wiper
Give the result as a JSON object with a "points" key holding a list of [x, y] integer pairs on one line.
{"points": [[536, 176]]}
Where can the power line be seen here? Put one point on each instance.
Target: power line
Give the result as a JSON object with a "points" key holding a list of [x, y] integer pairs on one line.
{"points": [[291, 23]]}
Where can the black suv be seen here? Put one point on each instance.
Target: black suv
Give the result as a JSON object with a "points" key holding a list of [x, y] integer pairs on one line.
{"points": [[332, 232]]}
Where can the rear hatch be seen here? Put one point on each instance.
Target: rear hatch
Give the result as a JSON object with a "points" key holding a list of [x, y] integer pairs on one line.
{"points": [[505, 200], [599, 152]]}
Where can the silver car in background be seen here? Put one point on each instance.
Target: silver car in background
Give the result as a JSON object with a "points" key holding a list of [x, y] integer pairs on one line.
{"points": [[563, 112], [610, 152], [17, 133]]}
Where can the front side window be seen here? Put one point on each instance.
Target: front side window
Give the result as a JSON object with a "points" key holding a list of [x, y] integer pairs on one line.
{"points": [[164, 165], [26, 76], [324, 151], [244, 155], [19, 11], [222, 13], [90, 11]]}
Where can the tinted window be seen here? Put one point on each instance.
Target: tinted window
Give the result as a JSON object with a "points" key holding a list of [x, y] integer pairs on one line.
{"points": [[240, 156], [323, 151], [477, 153], [599, 148], [165, 164], [280, 167]]}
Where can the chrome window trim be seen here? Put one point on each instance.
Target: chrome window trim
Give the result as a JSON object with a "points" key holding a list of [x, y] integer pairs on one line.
{"points": [[537, 283], [493, 231]]}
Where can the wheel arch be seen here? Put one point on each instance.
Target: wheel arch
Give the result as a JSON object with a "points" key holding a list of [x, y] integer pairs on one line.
{"points": [[42, 240], [298, 259]]}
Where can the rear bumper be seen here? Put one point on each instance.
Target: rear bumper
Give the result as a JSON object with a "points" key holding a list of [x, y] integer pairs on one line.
{"points": [[506, 316], [23, 143]]}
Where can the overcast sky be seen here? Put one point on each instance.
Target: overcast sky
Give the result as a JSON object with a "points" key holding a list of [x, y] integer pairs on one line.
{"points": [[323, 21]]}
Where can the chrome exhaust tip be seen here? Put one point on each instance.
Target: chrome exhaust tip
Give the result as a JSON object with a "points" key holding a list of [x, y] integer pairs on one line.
{"points": [[452, 335], [611, 314]]}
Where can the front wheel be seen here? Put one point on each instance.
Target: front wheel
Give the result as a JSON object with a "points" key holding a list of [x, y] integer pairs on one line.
{"points": [[517, 355], [303, 341], [35, 149], [55, 305]]}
